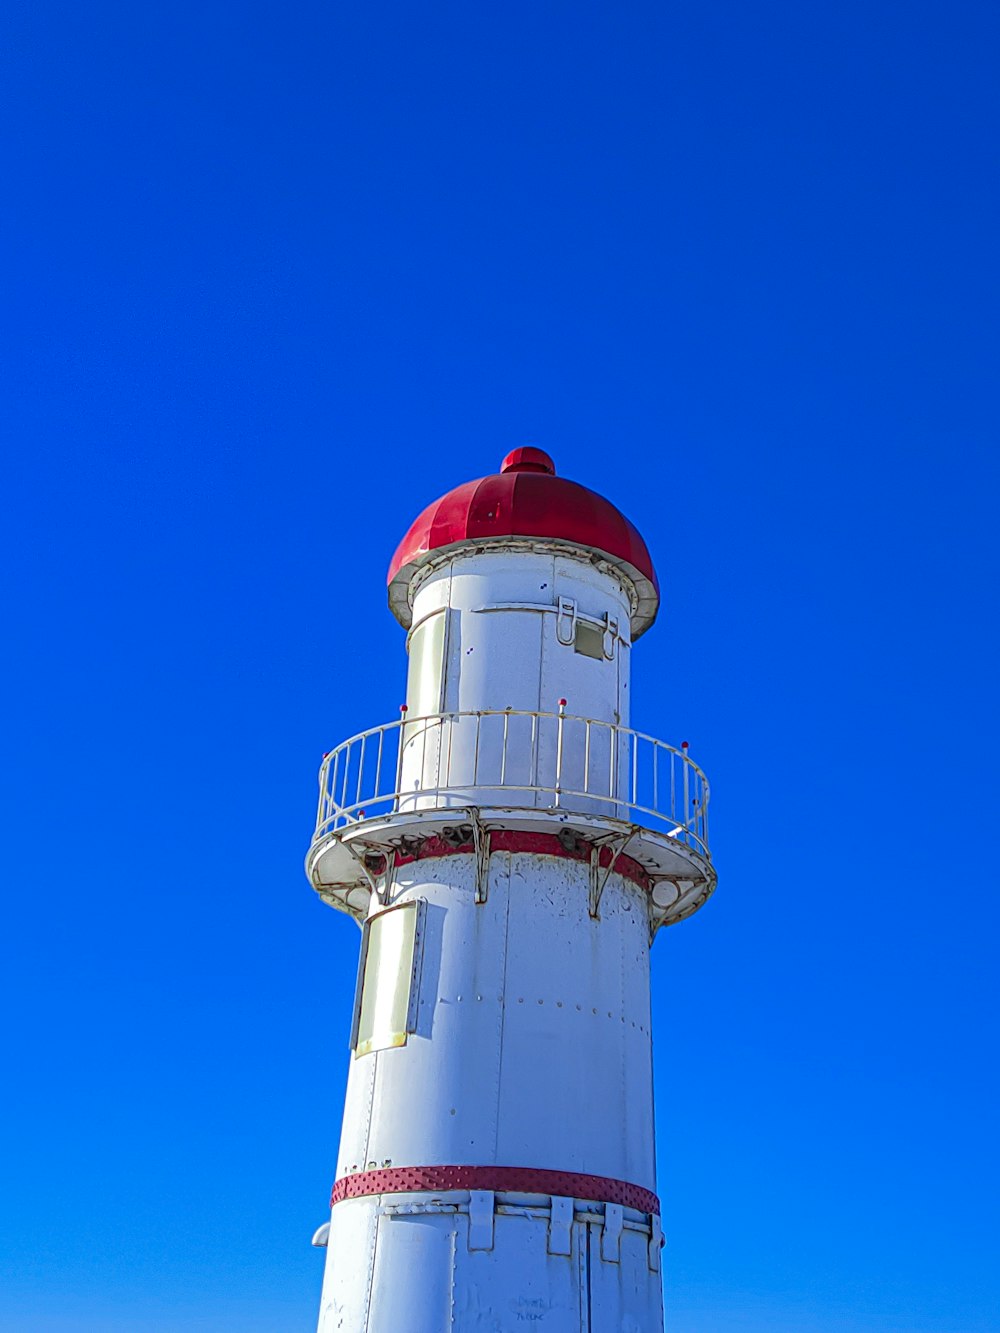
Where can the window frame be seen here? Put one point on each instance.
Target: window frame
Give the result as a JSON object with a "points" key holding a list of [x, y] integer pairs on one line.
{"points": [[369, 1046]]}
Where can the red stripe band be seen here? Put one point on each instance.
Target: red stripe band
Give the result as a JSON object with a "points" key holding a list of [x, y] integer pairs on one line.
{"points": [[509, 1179], [543, 844]]}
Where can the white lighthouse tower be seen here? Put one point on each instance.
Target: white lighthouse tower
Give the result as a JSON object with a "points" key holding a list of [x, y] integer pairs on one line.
{"points": [[510, 847]]}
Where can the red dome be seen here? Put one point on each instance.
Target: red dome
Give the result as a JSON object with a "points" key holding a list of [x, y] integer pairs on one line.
{"points": [[526, 499]]}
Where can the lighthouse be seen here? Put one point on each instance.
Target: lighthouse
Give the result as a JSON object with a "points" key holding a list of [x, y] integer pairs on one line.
{"points": [[510, 846]]}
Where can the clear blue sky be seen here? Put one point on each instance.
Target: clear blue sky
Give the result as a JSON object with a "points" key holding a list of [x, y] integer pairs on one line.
{"points": [[274, 277]]}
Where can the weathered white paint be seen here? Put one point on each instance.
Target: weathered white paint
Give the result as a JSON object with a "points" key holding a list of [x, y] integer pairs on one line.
{"points": [[499, 656], [411, 1267], [532, 1045]]}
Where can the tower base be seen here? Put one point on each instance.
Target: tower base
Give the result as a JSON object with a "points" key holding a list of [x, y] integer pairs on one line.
{"points": [[497, 1262]]}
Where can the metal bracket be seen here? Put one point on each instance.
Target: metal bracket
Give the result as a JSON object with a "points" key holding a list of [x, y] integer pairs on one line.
{"points": [[387, 877], [481, 841], [561, 1226], [618, 841], [481, 1210], [655, 1242], [610, 636], [611, 1236], [566, 607], [566, 613], [388, 854]]}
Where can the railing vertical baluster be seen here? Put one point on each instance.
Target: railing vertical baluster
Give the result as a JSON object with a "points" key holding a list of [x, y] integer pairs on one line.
{"points": [[503, 755], [612, 764], [586, 756], [439, 721], [687, 807], [475, 755], [401, 735], [324, 775], [559, 748], [704, 815], [331, 787], [673, 786], [347, 769], [378, 765], [635, 768], [361, 771], [451, 737], [533, 761], [656, 776]]}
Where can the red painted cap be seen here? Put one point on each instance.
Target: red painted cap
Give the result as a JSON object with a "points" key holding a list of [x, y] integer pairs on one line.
{"points": [[528, 459], [526, 499]]}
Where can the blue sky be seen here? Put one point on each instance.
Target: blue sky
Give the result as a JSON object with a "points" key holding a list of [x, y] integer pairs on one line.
{"points": [[276, 276]]}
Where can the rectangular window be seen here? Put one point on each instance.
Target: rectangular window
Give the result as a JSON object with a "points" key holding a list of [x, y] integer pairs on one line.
{"points": [[425, 675], [385, 1004], [589, 640]]}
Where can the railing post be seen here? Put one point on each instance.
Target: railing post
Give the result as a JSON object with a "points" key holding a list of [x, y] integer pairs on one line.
{"points": [[324, 774], [503, 753], [399, 757], [687, 814], [704, 814], [559, 747], [346, 750]]}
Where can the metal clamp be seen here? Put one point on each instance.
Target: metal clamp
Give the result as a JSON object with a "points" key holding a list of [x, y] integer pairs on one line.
{"points": [[566, 615], [561, 1226], [611, 1236], [610, 637], [656, 1242]]}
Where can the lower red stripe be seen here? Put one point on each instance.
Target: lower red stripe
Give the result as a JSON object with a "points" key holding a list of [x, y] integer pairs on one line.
{"points": [[513, 1179]]}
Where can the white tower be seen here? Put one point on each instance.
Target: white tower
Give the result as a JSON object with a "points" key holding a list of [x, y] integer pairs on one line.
{"points": [[510, 848]]}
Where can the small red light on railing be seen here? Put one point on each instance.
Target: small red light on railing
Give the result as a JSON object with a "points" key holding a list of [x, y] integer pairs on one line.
{"points": [[404, 708], [562, 703], [684, 745]]}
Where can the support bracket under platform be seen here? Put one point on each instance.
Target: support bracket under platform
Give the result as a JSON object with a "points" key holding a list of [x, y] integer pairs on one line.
{"points": [[599, 875], [481, 841]]}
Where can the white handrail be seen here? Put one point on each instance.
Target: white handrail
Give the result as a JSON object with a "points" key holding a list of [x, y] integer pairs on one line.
{"points": [[573, 764]]}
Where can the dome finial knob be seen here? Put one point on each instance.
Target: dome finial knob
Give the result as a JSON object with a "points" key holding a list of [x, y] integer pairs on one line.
{"points": [[528, 459]]}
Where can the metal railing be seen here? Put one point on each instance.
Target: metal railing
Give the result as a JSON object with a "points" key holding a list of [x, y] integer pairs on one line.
{"points": [[515, 760]]}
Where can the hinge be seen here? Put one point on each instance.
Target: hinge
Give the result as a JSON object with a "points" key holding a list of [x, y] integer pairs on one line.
{"points": [[561, 1226], [611, 1236], [655, 1242], [481, 1210]]}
